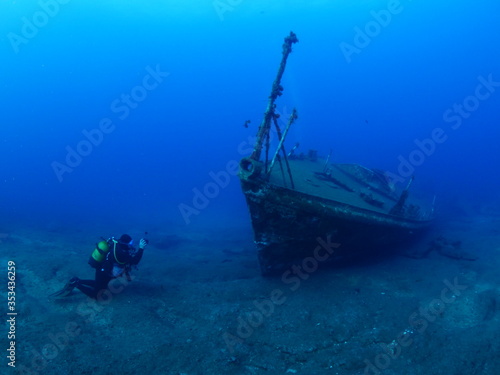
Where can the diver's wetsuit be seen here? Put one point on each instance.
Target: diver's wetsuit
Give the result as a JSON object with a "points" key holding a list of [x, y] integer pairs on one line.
{"points": [[104, 274]]}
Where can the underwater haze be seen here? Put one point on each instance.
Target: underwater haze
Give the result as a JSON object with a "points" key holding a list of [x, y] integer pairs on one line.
{"points": [[368, 79], [127, 115]]}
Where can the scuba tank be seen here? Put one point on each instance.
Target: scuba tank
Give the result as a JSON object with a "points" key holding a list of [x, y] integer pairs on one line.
{"points": [[99, 254]]}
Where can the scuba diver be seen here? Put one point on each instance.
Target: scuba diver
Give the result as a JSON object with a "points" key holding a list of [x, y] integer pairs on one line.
{"points": [[111, 259]]}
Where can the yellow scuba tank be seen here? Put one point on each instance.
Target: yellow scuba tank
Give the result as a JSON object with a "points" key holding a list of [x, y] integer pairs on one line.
{"points": [[99, 253]]}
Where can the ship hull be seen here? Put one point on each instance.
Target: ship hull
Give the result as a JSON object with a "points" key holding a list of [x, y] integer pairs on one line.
{"points": [[291, 227], [310, 212]]}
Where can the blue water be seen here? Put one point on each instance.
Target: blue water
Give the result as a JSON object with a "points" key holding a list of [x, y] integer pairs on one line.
{"points": [[368, 79]]}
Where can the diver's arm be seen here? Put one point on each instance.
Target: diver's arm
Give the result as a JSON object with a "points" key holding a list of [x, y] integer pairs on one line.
{"points": [[136, 258], [124, 256]]}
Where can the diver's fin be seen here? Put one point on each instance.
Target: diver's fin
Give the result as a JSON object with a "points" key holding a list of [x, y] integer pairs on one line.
{"points": [[66, 291]]}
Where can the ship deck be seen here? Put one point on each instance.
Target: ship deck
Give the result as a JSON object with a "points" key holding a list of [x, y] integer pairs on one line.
{"points": [[350, 184]]}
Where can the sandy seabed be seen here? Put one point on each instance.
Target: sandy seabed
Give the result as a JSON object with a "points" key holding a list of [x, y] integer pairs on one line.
{"points": [[198, 305]]}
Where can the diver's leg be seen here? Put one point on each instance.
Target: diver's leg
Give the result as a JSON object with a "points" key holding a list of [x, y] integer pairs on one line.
{"points": [[102, 280], [88, 290], [92, 287], [88, 287], [90, 283]]}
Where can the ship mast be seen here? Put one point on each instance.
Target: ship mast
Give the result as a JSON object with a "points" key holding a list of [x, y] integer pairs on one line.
{"points": [[269, 115]]}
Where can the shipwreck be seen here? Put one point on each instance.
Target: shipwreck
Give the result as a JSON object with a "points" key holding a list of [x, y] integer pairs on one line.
{"points": [[296, 200]]}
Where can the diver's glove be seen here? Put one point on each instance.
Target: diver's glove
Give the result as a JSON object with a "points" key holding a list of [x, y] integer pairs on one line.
{"points": [[143, 243]]}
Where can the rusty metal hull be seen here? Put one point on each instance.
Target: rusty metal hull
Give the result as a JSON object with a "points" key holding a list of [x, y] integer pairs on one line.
{"points": [[290, 226], [298, 203]]}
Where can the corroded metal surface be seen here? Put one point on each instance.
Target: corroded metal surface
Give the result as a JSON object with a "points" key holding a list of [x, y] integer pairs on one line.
{"points": [[287, 222], [355, 206]]}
